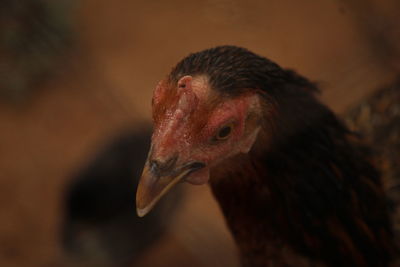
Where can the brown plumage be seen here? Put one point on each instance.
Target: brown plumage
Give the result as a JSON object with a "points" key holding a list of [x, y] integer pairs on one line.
{"points": [[376, 120], [296, 186]]}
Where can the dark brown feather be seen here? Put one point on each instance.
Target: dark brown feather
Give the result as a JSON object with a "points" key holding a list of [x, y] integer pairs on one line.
{"points": [[307, 194]]}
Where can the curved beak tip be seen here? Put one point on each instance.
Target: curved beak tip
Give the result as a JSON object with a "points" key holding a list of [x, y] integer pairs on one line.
{"points": [[141, 212], [143, 206], [151, 188]]}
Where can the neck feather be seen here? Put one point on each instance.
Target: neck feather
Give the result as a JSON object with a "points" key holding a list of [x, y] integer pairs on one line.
{"points": [[310, 191]]}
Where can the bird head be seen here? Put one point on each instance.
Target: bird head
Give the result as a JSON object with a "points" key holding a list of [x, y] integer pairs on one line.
{"points": [[195, 128], [211, 107]]}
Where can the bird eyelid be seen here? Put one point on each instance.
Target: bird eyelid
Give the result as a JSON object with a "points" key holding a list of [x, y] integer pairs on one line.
{"points": [[223, 132]]}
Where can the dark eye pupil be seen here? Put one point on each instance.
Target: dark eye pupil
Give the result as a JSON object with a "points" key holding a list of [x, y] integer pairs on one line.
{"points": [[224, 132]]}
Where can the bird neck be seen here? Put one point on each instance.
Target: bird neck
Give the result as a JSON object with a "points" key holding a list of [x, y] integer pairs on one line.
{"points": [[254, 209], [311, 193]]}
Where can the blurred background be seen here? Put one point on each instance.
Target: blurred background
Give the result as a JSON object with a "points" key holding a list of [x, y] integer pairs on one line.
{"points": [[76, 79]]}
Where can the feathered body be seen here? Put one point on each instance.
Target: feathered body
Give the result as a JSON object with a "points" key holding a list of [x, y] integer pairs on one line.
{"points": [[306, 194]]}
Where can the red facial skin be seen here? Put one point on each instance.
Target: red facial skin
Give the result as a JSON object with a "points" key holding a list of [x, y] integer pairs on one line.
{"points": [[187, 124]]}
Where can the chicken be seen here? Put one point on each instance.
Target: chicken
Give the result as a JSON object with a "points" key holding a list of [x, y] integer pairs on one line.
{"points": [[100, 228], [296, 186]]}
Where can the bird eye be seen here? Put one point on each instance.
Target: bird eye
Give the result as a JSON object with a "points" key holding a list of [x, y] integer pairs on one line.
{"points": [[224, 132]]}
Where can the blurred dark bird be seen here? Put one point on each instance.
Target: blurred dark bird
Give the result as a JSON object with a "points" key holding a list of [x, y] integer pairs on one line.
{"points": [[100, 226], [296, 186]]}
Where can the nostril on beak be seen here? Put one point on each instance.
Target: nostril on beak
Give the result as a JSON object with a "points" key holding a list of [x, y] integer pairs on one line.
{"points": [[154, 166], [160, 168]]}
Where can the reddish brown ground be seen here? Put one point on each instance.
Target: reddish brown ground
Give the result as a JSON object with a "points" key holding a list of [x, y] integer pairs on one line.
{"points": [[123, 49]]}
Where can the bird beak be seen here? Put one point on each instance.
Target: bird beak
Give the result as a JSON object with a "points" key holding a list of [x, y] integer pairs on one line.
{"points": [[154, 184]]}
